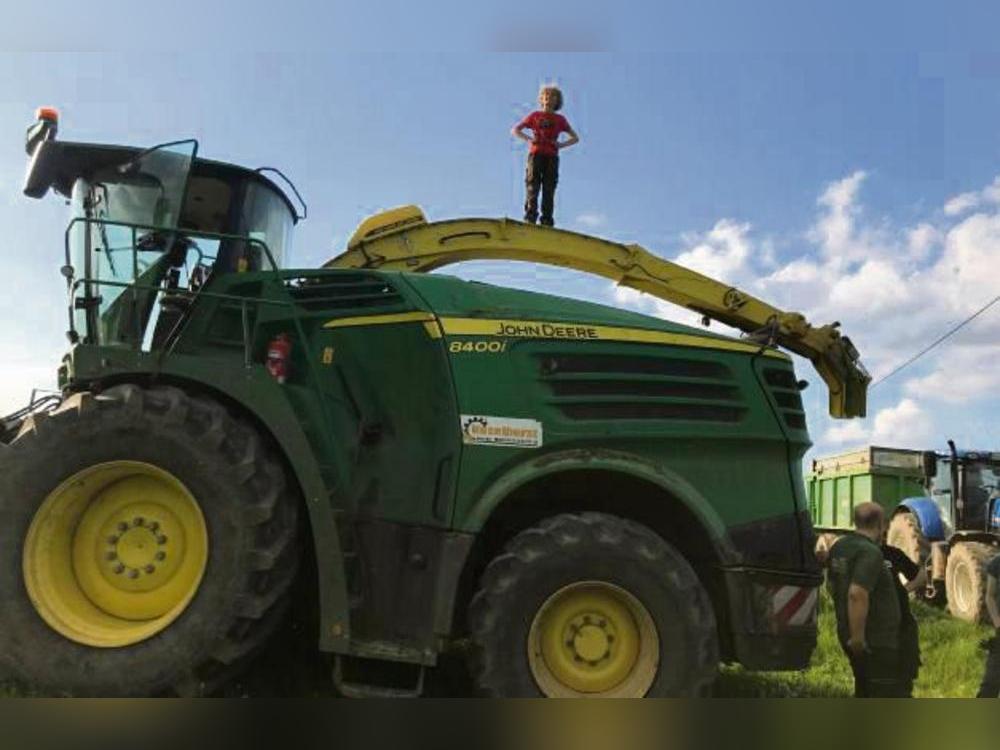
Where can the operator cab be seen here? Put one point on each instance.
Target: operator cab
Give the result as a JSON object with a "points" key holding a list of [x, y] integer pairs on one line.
{"points": [[159, 221], [976, 476]]}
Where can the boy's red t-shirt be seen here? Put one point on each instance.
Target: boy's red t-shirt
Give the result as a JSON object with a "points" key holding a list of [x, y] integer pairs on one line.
{"points": [[546, 127]]}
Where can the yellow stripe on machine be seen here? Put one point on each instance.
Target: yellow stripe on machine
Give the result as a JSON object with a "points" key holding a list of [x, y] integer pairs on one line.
{"points": [[540, 329], [379, 320], [535, 329]]}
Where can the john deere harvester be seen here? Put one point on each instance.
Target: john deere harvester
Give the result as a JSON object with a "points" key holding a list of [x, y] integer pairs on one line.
{"points": [[580, 500]]}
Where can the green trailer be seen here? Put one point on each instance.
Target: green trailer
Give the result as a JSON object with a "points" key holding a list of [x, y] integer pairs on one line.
{"points": [[836, 484]]}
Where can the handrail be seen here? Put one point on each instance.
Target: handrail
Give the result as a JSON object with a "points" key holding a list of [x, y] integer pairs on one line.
{"points": [[69, 271], [153, 228], [244, 301]]}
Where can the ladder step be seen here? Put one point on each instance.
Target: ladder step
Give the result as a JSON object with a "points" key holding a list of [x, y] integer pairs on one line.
{"points": [[352, 689]]}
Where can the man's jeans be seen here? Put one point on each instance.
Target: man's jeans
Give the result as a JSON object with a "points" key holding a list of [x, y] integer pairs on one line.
{"points": [[877, 674]]}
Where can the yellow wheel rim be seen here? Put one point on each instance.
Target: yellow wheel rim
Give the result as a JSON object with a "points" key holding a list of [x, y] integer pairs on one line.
{"points": [[115, 553], [593, 639]]}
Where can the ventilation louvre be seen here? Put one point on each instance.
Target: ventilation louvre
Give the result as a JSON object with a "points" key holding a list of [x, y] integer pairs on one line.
{"points": [[343, 291], [613, 387], [784, 390]]}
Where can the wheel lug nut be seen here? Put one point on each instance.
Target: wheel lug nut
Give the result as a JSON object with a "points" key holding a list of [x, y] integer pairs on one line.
{"points": [[122, 526], [150, 568], [161, 539], [133, 573], [137, 521], [154, 526], [119, 569], [611, 639], [577, 657], [112, 539], [161, 556], [110, 556], [586, 620]]}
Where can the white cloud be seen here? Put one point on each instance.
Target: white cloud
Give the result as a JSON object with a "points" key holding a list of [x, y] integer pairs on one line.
{"points": [[835, 229], [591, 220], [905, 425], [644, 303], [721, 253], [628, 297], [853, 432], [840, 195], [965, 277], [992, 192], [876, 286], [921, 240], [965, 375], [961, 203], [799, 271]]}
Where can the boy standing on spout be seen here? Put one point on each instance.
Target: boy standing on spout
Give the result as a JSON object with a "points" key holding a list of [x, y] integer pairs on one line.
{"points": [[542, 171]]}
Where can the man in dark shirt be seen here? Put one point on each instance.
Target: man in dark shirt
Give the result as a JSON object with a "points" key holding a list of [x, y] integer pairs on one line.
{"points": [[990, 687], [867, 606], [909, 635]]}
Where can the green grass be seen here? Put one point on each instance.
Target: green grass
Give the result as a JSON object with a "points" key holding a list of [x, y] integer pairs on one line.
{"points": [[952, 663]]}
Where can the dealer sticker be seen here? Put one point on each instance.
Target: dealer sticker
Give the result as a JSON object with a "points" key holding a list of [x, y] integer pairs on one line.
{"points": [[503, 432]]}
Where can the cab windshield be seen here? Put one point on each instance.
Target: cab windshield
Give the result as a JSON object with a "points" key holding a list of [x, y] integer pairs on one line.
{"points": [[126, 218], [264, 216], [165, 221], [126, 204]]}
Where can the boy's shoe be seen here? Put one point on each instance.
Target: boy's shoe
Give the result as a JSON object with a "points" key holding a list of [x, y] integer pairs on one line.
{"points": [[531, 218], [547, 222]]}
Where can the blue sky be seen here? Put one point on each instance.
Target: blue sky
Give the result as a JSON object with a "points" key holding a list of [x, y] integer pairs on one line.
{"points": [[839, 161]]}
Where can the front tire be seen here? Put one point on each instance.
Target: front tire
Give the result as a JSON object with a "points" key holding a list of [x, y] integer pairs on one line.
{"points": [[148, 543], [592, 605], [965, 580], [906, 535]]}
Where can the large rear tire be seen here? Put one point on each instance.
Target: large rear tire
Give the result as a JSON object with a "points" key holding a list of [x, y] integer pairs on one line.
{"points": [[147, 545], [592, 605], [965, 580], [906, 535]]}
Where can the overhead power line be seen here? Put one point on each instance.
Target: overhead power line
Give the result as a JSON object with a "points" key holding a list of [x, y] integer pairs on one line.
{"points": [[938, 341]]}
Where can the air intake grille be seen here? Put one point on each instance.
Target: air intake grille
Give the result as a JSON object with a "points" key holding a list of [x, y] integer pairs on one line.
{"points": [[344, 291], [614, 387], [785, 391]]}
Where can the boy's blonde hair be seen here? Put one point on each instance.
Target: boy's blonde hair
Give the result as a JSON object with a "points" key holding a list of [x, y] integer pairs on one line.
{"points": [[556, 91]]}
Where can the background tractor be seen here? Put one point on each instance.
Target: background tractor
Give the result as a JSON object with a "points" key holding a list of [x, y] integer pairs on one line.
{"points": [[944, 511], [582, 501]]}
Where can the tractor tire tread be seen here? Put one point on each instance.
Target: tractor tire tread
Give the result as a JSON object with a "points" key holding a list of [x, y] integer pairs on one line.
{"points": [[267, 513], [978, 554], [558, 536]]}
